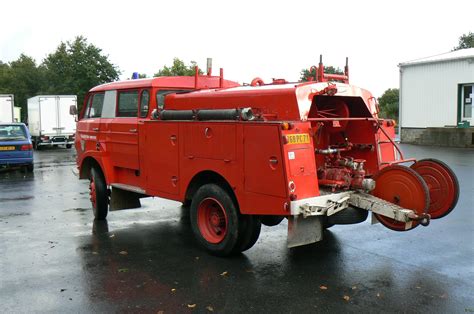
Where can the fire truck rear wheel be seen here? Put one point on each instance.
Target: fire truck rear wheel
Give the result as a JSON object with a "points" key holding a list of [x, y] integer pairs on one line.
{"points": [[249, 232], [98, 194], [215, 220]]}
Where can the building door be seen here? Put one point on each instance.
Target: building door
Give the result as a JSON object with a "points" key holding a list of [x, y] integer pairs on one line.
{"points": [[467, 102]]}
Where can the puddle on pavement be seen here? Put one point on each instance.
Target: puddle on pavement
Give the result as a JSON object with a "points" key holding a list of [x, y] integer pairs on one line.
{"points": [[13, 215], [21, 198], [80, 210]]}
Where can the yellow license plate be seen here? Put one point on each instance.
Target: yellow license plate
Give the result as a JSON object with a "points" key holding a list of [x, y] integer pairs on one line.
{"points": [[7, 147], [298, 138]]}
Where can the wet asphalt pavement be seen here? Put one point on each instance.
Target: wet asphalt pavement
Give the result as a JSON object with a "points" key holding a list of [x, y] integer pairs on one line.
{"points": [[53, 258]]}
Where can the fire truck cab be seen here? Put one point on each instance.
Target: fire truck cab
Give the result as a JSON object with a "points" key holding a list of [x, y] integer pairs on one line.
{"points": [[315, 153]]}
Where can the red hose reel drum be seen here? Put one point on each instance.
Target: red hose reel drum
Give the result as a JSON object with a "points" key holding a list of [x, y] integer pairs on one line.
{"points": [[334, 109], [442, 184], [402, 186]]}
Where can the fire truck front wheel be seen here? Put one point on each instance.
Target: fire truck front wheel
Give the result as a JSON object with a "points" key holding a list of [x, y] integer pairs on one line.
{"points": [[98, 194], [215, 220]]}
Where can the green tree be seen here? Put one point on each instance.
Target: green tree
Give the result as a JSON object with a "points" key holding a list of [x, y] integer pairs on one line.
{"points": [[306, 74], [22, 78], [388, 104], [77, 66], [178, 69], [465, 41]]}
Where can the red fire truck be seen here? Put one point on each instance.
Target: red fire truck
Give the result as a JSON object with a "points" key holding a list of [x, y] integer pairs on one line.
{"points": [[315, 153]]}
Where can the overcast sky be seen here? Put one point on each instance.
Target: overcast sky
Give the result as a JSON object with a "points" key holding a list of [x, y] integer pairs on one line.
{"points": [[269, 39]]}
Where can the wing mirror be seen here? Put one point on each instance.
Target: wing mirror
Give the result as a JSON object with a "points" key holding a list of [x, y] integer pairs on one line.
{"points": [[73, 110]]}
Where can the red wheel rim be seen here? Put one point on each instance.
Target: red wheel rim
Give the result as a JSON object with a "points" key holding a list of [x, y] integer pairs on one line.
{"points": [[402, 186], [92, 192], [442, 185], [212, 220]]}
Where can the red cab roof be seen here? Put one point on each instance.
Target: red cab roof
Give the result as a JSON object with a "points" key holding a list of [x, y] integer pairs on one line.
{"points": [[185, 82]]}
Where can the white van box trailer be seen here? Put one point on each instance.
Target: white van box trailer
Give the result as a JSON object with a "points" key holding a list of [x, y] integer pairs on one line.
{"points": [[6, 108], [49, 120]]}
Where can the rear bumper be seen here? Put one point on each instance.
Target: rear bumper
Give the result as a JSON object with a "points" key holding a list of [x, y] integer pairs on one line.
{"points": [[16, 161], [51, 143]]}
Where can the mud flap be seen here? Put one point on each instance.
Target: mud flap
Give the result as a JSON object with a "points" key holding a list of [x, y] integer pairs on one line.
{"points": [[122, 199], [302, 231]]}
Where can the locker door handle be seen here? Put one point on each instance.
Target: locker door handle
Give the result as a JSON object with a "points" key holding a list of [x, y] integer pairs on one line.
{"points": [[133, 130], [95, 129], [273, 161]]}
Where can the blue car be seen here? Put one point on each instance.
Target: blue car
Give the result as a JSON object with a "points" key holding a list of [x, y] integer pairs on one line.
{"points": [[16, 149]]}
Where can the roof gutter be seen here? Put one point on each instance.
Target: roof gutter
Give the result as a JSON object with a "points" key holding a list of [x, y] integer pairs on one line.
{"points": [[404, 64]]}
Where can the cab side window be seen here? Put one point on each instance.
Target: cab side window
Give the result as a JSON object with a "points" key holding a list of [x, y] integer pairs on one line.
{"points": [[144, 103], [127, 104], [94, 107]]}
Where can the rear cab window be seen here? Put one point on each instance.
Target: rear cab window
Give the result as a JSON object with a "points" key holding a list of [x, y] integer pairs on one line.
{"points": [[160, 96], [12, 132]]}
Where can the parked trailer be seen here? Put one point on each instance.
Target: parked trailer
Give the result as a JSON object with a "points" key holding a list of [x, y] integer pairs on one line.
{"points": [[49, 120], [315, 153], [6, 108]]}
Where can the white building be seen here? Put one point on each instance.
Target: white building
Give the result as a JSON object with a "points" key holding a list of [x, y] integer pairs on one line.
{"points": [[436, 97]]}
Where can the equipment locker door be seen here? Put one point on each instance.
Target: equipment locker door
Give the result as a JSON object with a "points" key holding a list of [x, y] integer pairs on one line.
{"points": [[162, 151]]}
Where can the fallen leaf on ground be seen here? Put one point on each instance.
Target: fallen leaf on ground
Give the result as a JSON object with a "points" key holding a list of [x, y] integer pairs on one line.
{"points": [[224, 274], [95, 253], [210, 308], [443, 296], [62, 290], [192, 306], [173, 290], [354, 287], [123, 252], [123, 270], [347, 298], [112, 235], [323, 287]]}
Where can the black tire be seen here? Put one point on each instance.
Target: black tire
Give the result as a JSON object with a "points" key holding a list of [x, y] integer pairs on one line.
{"points": [[250, 231], [271, 220], [348, 216], [30, 167], [68, 146], [101, 205], [36, 145], [219, 198]]}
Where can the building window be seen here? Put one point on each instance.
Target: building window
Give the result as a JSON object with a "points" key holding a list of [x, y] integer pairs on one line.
{"points": [[467, 100]]}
